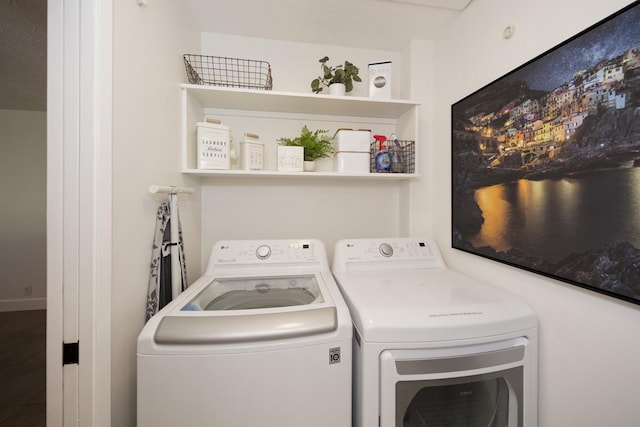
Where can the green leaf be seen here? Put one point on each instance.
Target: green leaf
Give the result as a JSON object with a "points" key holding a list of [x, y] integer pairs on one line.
{"points": [[347, 74], [315, 86], [348, 86]]}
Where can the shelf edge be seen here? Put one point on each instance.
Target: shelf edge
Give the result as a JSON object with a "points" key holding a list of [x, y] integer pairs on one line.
{"points": [[304, 175]]}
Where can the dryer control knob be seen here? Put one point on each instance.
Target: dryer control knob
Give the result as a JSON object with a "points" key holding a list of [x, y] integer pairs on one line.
{"points": [[263, 252], [386, 249]]}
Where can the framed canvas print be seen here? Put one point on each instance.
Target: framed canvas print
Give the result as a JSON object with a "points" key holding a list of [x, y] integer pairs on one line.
{"points": [[546, 162]]}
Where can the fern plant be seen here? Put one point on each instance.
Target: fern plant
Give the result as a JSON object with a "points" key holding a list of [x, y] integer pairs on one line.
{"points": [[317, 144]]}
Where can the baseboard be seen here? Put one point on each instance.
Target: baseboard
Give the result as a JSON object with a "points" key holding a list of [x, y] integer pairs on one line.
{"points": [[23, 304]]}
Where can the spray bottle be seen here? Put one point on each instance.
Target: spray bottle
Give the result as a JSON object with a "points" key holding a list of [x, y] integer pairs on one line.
{"points": [[395, 154], [383, 160]]}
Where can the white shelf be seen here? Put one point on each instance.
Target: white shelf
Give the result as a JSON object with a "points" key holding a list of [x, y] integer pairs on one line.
{"points": [[303, 175], [289, 102], [397, 116]]}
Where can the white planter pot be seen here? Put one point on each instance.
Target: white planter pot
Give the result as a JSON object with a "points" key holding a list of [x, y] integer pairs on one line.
{"points": [[309, 166], [337, 89]]}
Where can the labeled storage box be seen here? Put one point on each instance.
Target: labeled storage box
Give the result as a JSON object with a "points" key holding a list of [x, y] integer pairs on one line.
{"points": [[380, 80], [213, 146], [352, 150], [251, 153], [290, 159]]}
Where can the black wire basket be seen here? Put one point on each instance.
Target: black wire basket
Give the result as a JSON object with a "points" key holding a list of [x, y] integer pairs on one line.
{"points": [[228, 72], [407, 153]]}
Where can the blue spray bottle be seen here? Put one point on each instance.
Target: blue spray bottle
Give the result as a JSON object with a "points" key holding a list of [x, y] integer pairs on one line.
{"points": [[383, 160]]}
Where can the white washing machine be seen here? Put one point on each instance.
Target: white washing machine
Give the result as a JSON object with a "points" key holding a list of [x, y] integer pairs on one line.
{"points": [[433, 347], [262, 339]]}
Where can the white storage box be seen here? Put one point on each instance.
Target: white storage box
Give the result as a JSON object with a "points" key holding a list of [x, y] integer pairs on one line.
{"points": [[213, 146], [352, 150], [352, 162], [252, 153], [352, 140], [290, 159]]}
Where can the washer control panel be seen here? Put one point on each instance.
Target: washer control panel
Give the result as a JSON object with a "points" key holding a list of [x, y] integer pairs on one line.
{"points": [[267, 252], [386, 249], [263, 252]]}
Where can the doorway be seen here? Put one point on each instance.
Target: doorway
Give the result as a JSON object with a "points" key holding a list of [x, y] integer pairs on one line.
{"points": [[23, 75]]}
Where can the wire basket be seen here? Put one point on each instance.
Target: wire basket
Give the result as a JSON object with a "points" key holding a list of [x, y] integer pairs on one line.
{"points": [[228, 72], [407, 153]]}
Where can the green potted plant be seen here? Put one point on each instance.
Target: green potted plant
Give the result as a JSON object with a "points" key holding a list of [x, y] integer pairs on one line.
{"points": [[316, 145], [334, 77]]}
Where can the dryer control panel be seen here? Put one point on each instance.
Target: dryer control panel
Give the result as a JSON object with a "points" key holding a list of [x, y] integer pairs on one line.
{"points": [[369, 254]]}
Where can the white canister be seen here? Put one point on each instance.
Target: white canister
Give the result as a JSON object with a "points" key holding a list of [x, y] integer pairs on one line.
{"points": [[252, 153], [353, 162], [213, 146], [380, 80], [352, 149]]}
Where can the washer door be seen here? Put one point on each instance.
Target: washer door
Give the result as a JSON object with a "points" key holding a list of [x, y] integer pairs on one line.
{"points": [[250, 309], [471, 386], [248, 293]]}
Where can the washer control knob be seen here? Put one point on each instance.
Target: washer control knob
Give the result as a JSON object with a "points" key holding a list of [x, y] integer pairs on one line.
{"points": [[263, 252], [386, 249]]}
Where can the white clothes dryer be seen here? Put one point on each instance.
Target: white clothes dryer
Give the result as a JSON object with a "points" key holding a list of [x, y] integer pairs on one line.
{"points": [[433, 347], [263, 338]]}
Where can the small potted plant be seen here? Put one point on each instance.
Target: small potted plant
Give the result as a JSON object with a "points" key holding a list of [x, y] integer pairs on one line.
{"points": [[339, 79], [316, 145]]}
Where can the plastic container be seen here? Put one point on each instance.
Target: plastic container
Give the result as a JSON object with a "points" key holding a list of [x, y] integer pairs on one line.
{"points": [[352, 150]]}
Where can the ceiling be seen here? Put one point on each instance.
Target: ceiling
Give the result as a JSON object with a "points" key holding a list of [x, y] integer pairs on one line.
{"points": [[368, 24]]}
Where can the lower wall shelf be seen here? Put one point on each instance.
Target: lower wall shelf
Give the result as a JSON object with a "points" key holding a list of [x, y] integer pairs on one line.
{"points": [[233, 173]]}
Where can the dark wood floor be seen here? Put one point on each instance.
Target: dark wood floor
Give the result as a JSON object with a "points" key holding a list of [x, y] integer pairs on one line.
{"points": [[22, 368]]}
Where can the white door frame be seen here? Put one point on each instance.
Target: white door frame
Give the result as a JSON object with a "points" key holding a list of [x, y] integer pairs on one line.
{"points": [[79, 100]]}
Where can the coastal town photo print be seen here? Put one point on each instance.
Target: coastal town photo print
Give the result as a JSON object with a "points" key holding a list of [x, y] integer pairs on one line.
{"points": [[546, 162]]}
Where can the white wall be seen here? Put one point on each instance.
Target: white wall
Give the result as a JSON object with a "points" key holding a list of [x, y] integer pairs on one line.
{"points": [[419, 75], [295, 64], [588, 354], [23, 213], [589, 348], [147, 68], [291, 208]]}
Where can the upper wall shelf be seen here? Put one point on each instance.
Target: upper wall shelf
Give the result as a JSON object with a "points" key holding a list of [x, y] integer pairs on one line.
{"points": [[290, 102]]}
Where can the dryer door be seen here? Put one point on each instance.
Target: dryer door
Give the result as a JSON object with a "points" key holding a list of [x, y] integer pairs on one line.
{"points": [[470, 386]]}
